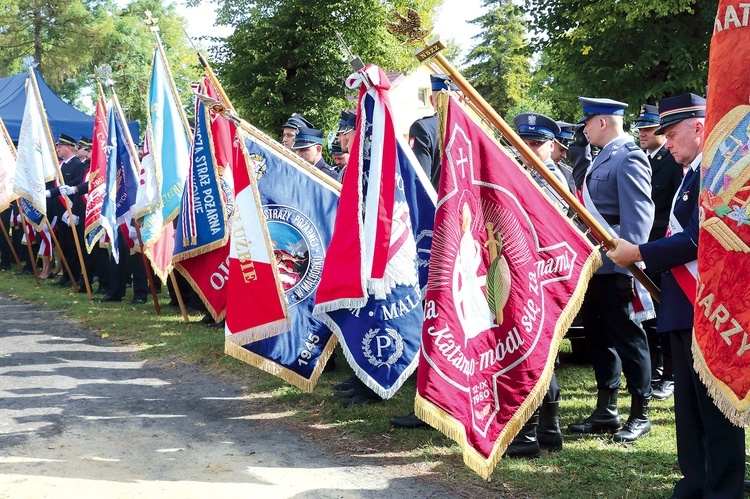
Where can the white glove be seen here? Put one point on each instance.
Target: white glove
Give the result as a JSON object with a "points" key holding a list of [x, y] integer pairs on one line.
{"points": [[48, 194], [66, 219], [132, 234], [67, 190]]}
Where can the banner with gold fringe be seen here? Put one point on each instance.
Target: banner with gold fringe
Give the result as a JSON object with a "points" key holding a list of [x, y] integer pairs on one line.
{"points": [[508, 273], [721, 347]]}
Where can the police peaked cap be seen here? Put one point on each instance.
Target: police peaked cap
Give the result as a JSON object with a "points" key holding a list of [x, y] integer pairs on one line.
{"points": [[297, 121], [336, 147], [66, 140], [594, 107], [535, 126], [672, 110], [85, 142], [566, 133], [648, 118], [348, 122], [442, 82], [307, 137]]}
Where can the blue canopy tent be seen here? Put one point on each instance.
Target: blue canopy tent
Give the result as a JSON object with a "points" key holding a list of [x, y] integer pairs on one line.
{"points": [[62, 117]]}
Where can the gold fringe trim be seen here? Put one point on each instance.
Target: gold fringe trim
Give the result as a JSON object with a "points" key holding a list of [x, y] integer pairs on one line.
{"points": [[262, 332], [737, 411], [163, 275], [217, 315], [206, 248], [271, 367], [726, 237], [453, 429]]}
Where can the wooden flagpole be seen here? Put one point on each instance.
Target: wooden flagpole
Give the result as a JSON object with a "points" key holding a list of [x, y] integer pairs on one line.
{"points": [[151, 23], [28, 245], [106, 73], [12, 148], [414, 34], [60, 175]]}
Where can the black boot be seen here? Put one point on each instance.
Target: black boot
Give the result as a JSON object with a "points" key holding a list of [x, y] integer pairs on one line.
{"points": [[604, 419], [638, 424], [525, 445], [548, 433], [665, 387]]}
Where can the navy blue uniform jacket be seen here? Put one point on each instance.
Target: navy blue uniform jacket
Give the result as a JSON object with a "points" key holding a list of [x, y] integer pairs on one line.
{"points": [[675, 310]]}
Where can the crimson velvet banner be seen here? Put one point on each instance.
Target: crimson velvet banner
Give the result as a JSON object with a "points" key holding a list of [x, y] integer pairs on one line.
{"points": [[721, 346], [493, 325]]}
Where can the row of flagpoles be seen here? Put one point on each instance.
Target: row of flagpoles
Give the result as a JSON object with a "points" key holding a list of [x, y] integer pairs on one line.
{"points": [[396, 273]]}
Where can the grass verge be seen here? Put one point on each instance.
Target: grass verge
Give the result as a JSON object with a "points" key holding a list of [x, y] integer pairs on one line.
{"points": [[586, 467]]}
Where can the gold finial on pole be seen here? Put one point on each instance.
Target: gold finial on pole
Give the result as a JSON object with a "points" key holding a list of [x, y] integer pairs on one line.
{"points": [[409, 27], [151, 22]]}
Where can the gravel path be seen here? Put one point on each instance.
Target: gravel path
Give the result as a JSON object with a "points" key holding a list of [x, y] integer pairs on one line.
{"points": [[82, 417]]}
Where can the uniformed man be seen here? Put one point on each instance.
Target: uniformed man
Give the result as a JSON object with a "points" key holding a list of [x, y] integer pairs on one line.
{"points": [[560, 152], [73, 170], [538, 133], [340, 158], [423, 133], [617, 191], [542, 430], [710, 449], [666, 176], [83, 149], [308, 144], [290, 128]]}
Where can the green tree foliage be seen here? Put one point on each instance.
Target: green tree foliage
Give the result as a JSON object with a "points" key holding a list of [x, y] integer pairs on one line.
{"points": [[69, 38], [52, 31], [635, 51], [284, 56], [499, 65]]}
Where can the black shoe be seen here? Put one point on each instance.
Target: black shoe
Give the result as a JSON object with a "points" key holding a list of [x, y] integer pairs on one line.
{"points": [[347, 384], [409, 421], [525, 445], [219, 325], [138, 301], [207, 320], [110, 298], [27, 272], [548, 432], [604, 419], [663, 390], [4, 266], [64, 281], [634, 429]]}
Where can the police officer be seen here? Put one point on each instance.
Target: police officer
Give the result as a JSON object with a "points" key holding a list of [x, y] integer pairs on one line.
{"points": [[710, 449], [560, 152], [423, 133], [340, 158], [73, 171], [666, 176], [290, 127], [308, 144], [618, 188], [538, 133], [542, 430]]}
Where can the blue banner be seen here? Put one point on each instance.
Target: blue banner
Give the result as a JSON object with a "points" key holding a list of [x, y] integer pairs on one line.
{"points": [[381, 340], [121, 182], [299, 210], [201, 224]]}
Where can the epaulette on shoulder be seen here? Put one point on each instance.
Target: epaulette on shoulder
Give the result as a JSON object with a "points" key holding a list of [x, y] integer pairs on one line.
{"points": [[631, 146]]}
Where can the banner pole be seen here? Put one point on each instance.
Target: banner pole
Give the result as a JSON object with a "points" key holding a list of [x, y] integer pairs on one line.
{"points": [[67, 206], [484, 108]]}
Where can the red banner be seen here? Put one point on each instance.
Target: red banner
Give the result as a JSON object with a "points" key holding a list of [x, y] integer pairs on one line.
{"points": [[721, 345], [97, 177], [493, 323]]}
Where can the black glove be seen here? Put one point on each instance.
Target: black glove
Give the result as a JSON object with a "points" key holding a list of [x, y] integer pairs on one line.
{"points": [[625, 287], [579, 138]]}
